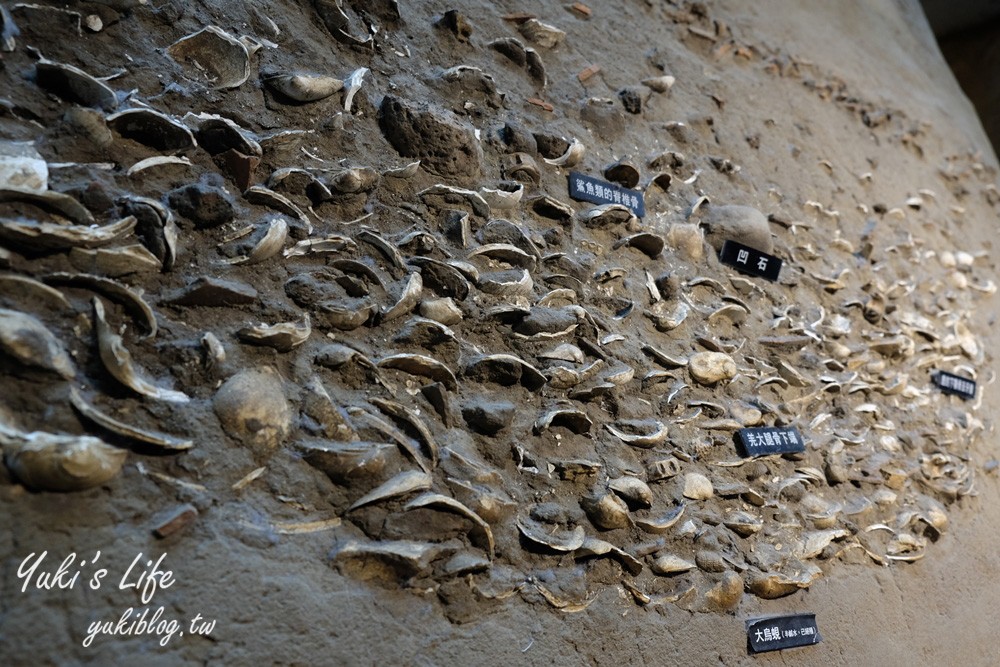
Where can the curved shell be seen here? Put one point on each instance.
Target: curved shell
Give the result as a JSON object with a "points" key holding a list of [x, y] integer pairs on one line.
{"points": [[553, 537], [606, 511], [163, 440], [75, 85], [506, 370], [54, 202], [152, 128], [356, 179], [419, 364], [660, 524], [53, 236], [51, 462], [118, 361], [25, 338], [639, 433], [304, 87], [283, 336], [575, 420], [670, 564], [213, 53], [632, 490]]}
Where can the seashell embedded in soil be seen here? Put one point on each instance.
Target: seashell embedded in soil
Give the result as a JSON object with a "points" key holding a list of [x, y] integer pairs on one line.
{"points": [[668, 316], [419, 364], [644, 433], [352, 85], [74, 85], [118, 361], [269, 245], [554, 537], [605, 215], [624, 173], [772, 585], [442, 310], [388, 562], [411, 421], [725, 595], [283, 336], [408, 299], [162, 440], [506, 370], [506, 196], [742, 523], [648, 243], [572, 157], [669, 564], [50, 236], [152, 128], [113, 290], [51, 462], [304, 87], [30, 342], [405, 482], [606, 511], [354, 180], [634, 491], [328, 419], [660, 523], [708, 368], [8, 31], [347, 462], [214, 55], [697, 487], [742, 224], [659, 84], [252, 409], [576, 421], [522, 167], [218, 134], [544, 35], [688, 240], [438, 501]]}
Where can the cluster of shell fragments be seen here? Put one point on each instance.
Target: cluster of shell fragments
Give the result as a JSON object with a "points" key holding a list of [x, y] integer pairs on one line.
{"points": [[485, 380]]}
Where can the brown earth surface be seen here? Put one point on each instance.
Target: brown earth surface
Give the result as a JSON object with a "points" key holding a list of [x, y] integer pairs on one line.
{"points": [[839, 122]]}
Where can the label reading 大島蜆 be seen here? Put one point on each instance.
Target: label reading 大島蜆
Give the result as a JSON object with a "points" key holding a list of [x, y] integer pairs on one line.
{"points": [[748, 260], [596, 191], [780, 632], [770, 440], [955, 384]]}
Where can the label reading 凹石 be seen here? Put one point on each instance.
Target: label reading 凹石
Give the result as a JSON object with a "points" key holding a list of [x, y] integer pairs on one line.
{"points": [[780, 632], [748, 260], [770, 440], [955, 384], [596, 191]]}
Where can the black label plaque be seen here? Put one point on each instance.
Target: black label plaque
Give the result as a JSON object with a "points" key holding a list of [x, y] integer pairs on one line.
{"points": [[748, 260], [780, 632], [770, 440], [596, 191], [955, 384]]}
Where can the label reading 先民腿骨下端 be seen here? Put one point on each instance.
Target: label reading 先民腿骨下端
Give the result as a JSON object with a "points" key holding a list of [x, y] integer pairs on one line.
{"points": [[596, 191], [770, 440], [780, 632], [955, 384], [749, 260]]}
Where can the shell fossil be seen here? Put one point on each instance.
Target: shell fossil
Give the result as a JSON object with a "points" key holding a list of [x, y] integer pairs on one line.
{"points": [[304, 87], [118, 361], [52, 462], [215, 55], [30, 342], [163, 440]]}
